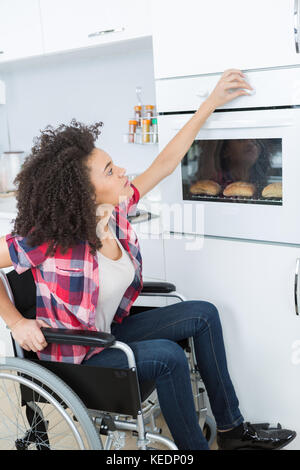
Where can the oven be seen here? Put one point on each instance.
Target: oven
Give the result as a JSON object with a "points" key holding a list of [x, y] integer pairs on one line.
{"points": [[241, 176]]}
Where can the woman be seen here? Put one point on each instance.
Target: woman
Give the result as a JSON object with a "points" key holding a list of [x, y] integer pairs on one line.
{"points": [[244, 160], [231, 160], [59, 235]]}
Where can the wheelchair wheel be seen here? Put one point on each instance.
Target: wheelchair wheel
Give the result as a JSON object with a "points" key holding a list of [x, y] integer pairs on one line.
{"points": [[38, 411]]}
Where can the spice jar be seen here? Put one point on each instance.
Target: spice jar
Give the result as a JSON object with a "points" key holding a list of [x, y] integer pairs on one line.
{"points": [[138, 135], [138, 114], [149, 111], [154, 130], [132, 128], [146, 131]]}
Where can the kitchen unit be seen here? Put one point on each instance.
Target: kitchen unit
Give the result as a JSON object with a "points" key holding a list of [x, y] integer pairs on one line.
{"points": [[208, 37], [254, 286], [241, 251], [72, 24], [248, 128], [46, 27], [20, 29]]}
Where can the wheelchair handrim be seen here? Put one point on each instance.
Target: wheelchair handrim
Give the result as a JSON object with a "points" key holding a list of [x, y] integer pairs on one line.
{"points": [[11, 368], [48, 397]]}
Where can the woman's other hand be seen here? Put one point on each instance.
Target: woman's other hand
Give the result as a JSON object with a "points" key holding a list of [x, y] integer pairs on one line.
{"points": [[230, 80], [28, 334]]}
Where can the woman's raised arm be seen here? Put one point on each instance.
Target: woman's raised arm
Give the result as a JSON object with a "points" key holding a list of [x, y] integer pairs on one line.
{"points": [[168, 159]]}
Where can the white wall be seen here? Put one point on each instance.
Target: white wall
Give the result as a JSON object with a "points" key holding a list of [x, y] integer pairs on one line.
{"points": [[3, 126], [91, 85]]}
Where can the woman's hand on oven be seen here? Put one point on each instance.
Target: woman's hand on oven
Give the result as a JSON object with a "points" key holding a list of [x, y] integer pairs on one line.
{"points": [[231, 85]]}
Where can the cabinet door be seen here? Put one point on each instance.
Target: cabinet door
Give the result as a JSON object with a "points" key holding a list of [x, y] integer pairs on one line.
{"points": [[252, 285], [72, 24], [20, 29], [153, 256], [200, 36]]}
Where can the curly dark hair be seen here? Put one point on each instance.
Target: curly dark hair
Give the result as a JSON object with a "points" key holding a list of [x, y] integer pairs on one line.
{"points": [[56, 200]]}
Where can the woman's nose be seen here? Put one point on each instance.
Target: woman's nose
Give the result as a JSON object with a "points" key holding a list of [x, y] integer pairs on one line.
{"points": [[122, 172]]}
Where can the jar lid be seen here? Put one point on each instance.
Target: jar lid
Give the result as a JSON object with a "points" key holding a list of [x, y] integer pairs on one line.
{"points": [[149, 106], [146, 121], [138, 108], [132, 121]]}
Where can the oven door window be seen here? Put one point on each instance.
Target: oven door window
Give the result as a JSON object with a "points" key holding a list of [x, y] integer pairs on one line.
{"points": [[234, 170]]}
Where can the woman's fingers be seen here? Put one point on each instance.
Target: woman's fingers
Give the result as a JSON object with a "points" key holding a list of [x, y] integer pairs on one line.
{"points": [[238, 93], [237, 84], [229, 72], [234, 77], [41, 337], [39, 340], [31, 345], [35, 344], [43, 323]]}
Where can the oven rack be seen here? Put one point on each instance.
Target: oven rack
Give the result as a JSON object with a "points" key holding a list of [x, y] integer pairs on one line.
{"points": [[235, 199]]}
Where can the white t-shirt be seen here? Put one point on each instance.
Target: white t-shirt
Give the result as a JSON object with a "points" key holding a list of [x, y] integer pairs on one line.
{"points": [[115, 276]]}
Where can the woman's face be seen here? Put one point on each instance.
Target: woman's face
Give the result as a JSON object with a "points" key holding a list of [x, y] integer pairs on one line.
{"points": [[111, 184], [240, 151]]}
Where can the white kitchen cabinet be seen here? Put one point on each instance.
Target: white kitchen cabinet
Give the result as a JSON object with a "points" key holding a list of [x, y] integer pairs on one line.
{"points": [[20, 29], [252, 285], [73, 24], [152, 251], [200, 36]]}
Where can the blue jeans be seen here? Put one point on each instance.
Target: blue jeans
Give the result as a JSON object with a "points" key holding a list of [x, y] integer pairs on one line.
{"points": [[152, 335]]}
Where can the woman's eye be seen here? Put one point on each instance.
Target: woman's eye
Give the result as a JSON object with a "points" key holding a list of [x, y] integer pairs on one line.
{"points": [[110, 172]]}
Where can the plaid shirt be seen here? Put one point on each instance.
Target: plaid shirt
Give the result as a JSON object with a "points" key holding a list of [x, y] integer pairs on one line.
{"points": [[67, 285]]}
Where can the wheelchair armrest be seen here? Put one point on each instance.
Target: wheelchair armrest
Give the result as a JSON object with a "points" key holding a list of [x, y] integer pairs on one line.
{"points": [[158, 287], [78, 337]]}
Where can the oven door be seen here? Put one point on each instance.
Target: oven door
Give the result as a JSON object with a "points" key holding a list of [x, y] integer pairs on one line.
{"points": [[240, 177]]}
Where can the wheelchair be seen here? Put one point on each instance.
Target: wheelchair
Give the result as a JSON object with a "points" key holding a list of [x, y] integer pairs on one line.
{"points": [[48, 405]]}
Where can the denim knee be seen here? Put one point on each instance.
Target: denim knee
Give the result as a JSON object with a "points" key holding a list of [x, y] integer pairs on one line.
{"points": [[171, 354], [205, 310]]}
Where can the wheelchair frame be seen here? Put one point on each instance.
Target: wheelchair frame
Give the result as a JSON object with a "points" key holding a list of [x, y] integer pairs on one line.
{"points": [[109, 422]]}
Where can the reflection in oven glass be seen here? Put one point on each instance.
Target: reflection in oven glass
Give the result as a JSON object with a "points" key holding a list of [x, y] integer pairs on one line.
{"points": [[234, 170]]}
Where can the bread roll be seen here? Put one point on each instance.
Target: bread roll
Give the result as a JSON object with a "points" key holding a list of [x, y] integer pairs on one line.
{"points": [[208, 187], [273, 190], [239, 188]]}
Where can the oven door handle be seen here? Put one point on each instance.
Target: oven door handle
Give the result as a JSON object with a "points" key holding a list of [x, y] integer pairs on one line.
{"points": [[296, 286], [297, 25], [239, 124]]}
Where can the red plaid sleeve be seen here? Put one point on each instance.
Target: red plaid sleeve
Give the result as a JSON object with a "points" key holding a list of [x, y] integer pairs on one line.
{"points": [[24, 256], [133, 202], [129, 206]]}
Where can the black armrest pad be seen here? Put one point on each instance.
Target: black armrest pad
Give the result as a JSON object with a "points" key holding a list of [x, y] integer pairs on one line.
{"points": [[158, 287], [82, 338]]}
